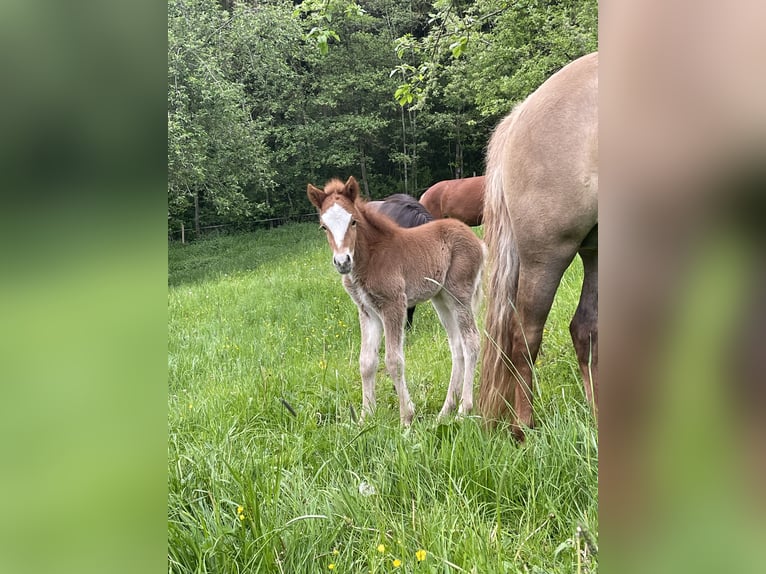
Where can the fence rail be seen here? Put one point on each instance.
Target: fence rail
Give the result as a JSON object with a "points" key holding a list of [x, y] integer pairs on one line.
{"points": [[183, 233]]}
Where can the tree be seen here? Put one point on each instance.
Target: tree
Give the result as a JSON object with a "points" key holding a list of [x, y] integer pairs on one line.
{"points": [[217, 156], [265, 96]]}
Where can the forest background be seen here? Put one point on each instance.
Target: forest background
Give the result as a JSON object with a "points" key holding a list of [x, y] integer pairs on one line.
{"points": [[267, 96]]}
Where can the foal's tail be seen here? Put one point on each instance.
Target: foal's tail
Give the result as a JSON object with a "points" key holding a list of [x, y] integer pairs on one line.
{"points": [[497, 379]]}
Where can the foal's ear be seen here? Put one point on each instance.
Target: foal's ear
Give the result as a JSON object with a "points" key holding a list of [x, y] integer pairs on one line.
{"points": [[351, 189], [316, 196]]}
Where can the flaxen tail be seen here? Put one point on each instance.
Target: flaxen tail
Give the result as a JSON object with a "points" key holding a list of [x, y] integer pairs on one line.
{"points": [[497, 379]]}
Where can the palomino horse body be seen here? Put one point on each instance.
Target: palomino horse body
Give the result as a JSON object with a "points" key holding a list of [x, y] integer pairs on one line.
{"points": [[541, 210], [461, 199], [406, 211], [385, 268]]}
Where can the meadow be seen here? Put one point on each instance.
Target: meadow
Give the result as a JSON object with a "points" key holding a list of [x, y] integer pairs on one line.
{"points": [[268, 471]]}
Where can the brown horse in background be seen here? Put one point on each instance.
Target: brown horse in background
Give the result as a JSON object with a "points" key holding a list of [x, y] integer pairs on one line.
{"points": [[541, 209], [385, 268], [461, 199]]}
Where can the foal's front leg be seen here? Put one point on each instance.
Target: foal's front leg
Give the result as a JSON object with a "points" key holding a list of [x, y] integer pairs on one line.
{"points": [[393, 324], [372, 332]]}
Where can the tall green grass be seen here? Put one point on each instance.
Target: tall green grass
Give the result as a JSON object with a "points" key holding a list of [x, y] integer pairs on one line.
{"points": [[263, 318]]}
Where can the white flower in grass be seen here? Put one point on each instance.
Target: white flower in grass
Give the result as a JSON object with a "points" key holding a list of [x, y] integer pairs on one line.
{"points": [[366, 489]]}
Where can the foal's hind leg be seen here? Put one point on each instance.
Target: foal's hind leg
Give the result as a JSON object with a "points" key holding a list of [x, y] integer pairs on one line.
{"points": [[584, 327], [471, 346], [460, 324], [445, 309]]}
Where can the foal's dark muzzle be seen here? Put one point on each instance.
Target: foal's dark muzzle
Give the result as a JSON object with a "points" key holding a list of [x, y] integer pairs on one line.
{"points": [[342, 263]]}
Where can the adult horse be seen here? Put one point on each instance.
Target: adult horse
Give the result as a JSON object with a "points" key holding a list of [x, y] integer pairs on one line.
{"points": [[541, 210], [461, 199], [385, 268], [406, 211]]}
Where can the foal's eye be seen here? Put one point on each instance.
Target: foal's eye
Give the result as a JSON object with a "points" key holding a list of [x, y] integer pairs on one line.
{"points": [[323, 228], [353, 223]]}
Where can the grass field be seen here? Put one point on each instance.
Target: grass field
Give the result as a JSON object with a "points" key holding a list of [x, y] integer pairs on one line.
{"points": [[257, 318]]}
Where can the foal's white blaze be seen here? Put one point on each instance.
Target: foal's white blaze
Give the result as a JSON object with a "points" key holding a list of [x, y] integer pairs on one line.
{"points": [[336, 219]]}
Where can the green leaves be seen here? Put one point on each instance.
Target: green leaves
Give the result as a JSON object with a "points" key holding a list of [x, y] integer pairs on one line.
{"points": [[320, 37], [265, 97], [404, 94], [493, 53], [216, 148], [458, 46], [320, 13]]}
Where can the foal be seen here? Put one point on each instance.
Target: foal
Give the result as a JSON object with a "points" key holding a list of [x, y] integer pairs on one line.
{"points": [[385, 268]]}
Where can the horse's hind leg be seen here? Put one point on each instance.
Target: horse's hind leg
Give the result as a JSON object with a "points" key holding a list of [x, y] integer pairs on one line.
{"points": [[471, 345], [445, 309], [584, 327], [537, 288]]}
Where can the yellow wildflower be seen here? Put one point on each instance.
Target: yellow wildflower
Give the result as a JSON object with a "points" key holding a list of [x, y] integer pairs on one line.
{"points": [[240, 509], [331, 566], [421, 555], [381, 548], [397, 563], [241, 516], [335, 552]]}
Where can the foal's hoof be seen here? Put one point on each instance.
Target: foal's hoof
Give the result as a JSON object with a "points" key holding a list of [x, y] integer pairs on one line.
{"points": [[464, 411], [365, 416]]}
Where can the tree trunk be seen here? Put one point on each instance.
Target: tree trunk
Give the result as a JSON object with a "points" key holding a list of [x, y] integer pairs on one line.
{"points": [[363, 167], [458, 154], [414, 147], [196, 213], [404, 150]]}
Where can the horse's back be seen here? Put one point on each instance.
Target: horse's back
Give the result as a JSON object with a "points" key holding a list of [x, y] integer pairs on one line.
{"points": [[403, 209], [544, 156], [464, 200], [461, 199], [432, 199]]}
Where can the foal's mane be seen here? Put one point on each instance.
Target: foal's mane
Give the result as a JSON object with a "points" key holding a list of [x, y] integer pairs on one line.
{"points": [[379, 222]]}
